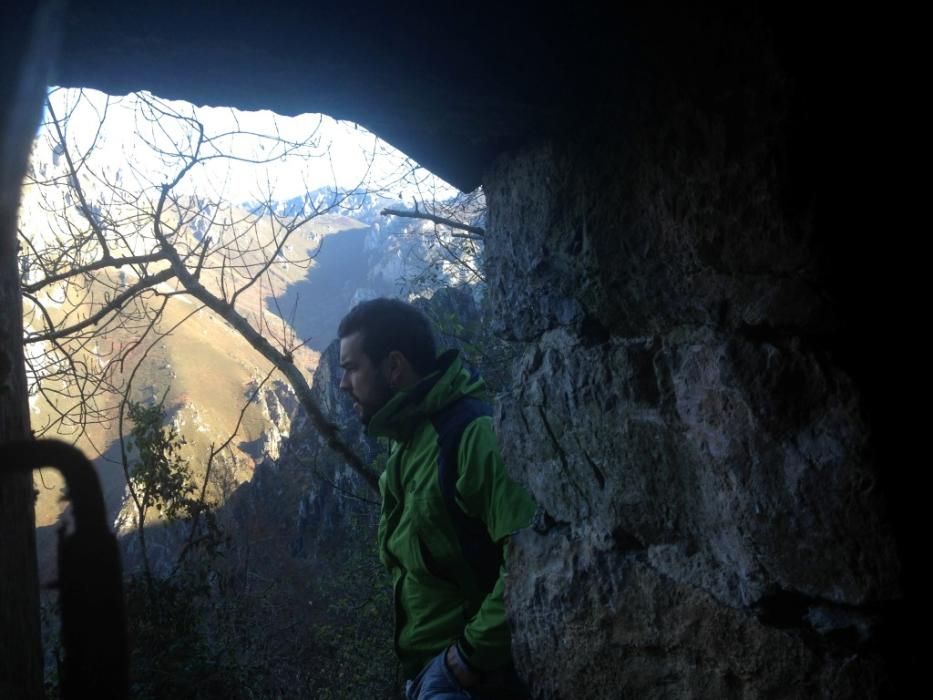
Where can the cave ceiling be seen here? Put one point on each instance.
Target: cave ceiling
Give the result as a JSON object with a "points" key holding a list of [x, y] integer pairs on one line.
{"points": [[451, 85]]}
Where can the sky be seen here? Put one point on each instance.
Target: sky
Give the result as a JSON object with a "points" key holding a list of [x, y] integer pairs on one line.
{"points": [[323, 152]]}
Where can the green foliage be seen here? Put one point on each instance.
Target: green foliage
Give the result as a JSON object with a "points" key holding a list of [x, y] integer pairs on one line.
{"points": [[230, 622], [480, 347], [356, 634], [159, 475], [230, 619], [348, 638], [50, 619], [171, 652]]}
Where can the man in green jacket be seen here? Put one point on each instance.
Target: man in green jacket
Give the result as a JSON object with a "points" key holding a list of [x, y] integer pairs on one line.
{"points": [[448, 503]]}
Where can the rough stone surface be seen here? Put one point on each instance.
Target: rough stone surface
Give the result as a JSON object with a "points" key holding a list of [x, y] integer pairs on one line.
{"points": [[709, 523], [691, 446], [627, 630]]}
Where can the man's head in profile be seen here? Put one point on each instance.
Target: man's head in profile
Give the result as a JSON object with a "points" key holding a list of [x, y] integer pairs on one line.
{"points": [[386, 345]]}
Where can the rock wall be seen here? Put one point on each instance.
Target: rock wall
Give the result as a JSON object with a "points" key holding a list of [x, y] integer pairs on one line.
{"points": [[709, 520]]}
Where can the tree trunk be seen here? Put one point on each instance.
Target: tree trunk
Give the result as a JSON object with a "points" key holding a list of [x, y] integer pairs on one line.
{"points": [[28, 29]]}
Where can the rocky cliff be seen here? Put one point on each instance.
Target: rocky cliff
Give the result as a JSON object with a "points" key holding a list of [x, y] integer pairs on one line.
{"points": [[709, 519]]}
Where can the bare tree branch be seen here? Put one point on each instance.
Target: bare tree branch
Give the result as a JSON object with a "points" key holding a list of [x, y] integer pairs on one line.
{"points": [[474, 233], [284, 363], [94, 268], [85, 209], [113, 306]]}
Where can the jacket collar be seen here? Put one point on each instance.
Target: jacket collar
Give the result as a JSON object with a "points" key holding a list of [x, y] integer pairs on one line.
{"points": [[402, 414]]}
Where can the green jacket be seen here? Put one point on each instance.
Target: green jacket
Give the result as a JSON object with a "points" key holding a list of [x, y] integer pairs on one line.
{"points": [[437, 598]]}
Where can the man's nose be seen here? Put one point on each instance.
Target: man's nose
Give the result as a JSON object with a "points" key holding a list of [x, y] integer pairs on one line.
{"points": [[345, 381]]}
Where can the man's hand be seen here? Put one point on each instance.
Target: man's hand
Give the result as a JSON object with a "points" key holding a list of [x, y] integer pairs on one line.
{"points": [[464, 675]]}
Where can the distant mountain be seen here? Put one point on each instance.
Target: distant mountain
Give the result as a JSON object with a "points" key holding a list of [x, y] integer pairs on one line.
{"points": [[362, 206], [204, 370], [374, 256]]}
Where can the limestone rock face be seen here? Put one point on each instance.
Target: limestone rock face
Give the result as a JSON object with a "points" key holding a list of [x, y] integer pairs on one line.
{"points": [[689, 447], [709, 523]]}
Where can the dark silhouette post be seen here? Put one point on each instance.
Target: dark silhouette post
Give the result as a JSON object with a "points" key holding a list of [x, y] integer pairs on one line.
{"points": [[90, 579]]}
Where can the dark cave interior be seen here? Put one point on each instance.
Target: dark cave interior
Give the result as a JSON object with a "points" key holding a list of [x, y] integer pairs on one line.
{"points": [[470, 92]]}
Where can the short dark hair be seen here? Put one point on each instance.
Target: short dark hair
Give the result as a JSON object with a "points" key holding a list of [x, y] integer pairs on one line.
{"points": [[391, 324]]}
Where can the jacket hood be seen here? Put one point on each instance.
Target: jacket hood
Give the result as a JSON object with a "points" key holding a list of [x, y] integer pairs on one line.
{"points": [[400, 416]]}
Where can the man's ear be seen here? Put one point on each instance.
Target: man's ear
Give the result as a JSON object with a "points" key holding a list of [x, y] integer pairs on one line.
{"points": [[395, 368]]}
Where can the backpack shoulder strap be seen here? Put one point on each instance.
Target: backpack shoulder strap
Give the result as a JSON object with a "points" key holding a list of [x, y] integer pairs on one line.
{"points": [[482, 555]]}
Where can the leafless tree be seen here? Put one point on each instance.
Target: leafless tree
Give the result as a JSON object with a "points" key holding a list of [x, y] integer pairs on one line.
{"points": [[453, 231], [110, 244]]}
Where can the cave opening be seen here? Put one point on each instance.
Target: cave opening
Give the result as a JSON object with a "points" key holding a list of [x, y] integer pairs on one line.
{"points": [[683, 219]]}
